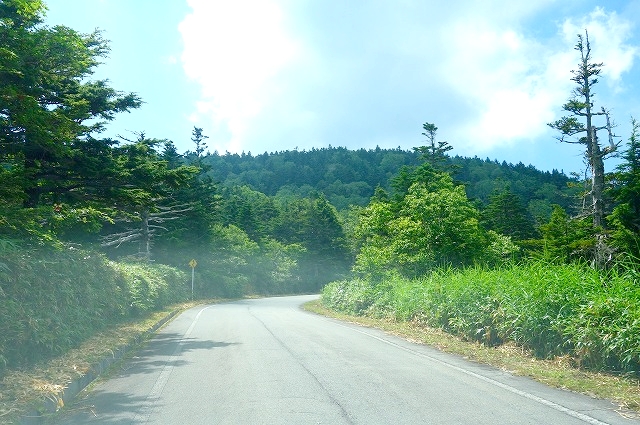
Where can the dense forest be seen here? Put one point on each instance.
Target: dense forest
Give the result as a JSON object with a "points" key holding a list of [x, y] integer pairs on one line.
{"points": [[348, 177], [78, 208]]}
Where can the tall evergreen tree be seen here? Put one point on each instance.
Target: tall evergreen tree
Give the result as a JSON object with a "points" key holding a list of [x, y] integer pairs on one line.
{"points": [[566, 239], [144, 194], [49, 106], [506, 215], [435, 162], [625, 218], [313, 223], [434, 153]]}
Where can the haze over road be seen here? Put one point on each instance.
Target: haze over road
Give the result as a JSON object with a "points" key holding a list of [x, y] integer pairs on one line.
{"points": [[268, 362]]}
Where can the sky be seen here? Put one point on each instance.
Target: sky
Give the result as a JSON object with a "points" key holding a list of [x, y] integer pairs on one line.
{"points": [[272, 75]]}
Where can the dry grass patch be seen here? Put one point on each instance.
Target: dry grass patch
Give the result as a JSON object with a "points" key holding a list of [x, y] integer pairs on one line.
{"points": [[558, 372]]}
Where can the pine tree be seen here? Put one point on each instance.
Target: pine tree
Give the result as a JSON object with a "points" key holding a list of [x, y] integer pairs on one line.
{"points": [[50, 109], [506, 215], [625, 218]]}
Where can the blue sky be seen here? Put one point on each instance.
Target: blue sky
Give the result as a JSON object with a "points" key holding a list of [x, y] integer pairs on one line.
{"points": [[270, 75]]}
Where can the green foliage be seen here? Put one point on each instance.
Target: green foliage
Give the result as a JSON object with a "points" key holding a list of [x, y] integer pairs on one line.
{"points": [[435, 154], [552, 309], [353, 296], [350, 177], [275, 226], [434, 224], [53, 299], [581, 127], [566, 239], [314, 224], [277, 270], [498, 250], [250, 210], [49, 107], [507, 216], [625, 189], [147, 193], [228, 265], [442, 222], [235, 265], [149, 286], [198, 138]]}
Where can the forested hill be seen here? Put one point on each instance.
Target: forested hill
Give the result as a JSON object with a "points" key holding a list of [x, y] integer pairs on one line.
{"points": [[349, 177]]}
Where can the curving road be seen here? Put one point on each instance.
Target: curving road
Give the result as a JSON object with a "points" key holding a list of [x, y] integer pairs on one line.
{"points": [[268, 362]]}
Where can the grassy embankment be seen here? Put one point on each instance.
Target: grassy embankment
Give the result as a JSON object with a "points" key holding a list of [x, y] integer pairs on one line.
{"points": [[567, 325], [62, 310]]}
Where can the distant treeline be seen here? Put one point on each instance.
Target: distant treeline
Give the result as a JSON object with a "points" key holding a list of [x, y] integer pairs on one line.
{"points": [[350, 177]]}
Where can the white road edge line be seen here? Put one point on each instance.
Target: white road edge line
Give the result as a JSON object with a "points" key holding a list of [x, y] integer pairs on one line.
{"points": [[163, 378], [558, 407]]}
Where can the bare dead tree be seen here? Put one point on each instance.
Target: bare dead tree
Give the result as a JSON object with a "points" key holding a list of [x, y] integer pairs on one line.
{"points": [[150, 223], [580, 126]]}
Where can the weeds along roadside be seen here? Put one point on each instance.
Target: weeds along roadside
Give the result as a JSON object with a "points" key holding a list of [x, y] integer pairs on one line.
{"points": [[589, 316], [53, 299], [64, 309]]}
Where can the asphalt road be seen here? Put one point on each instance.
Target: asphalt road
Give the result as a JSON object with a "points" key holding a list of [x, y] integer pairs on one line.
{"points": [[268, 362]]}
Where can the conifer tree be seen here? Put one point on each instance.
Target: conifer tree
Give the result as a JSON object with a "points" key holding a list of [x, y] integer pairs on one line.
{"points": [[506, 215], [434, 153], [625, 218], [50, 109]]}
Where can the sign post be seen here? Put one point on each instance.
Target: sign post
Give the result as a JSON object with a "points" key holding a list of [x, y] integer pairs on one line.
{"points": [[193, 263]]}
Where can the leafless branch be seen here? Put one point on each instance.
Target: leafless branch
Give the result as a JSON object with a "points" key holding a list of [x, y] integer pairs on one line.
{"points": [[119, 241]]}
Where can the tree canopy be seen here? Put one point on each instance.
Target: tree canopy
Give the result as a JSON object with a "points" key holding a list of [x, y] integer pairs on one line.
{"points": [[50, 109]]}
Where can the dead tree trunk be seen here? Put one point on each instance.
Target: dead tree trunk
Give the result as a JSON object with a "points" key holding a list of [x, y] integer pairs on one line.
{"points": [[144, 248], [586, 132]]}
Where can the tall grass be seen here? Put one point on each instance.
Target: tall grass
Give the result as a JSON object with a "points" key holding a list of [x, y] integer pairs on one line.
{"points": [[589, 315], [53, 299]]}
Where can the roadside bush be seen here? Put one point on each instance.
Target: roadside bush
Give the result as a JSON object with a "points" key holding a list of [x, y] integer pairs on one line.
{"points": [[53, 299], [150, 286], [592, 316]]}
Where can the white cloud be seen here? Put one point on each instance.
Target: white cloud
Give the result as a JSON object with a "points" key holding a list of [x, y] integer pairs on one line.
{"points": [[608, 35], [233, 49], [518, 83], [169, 60], [504, 74], [276, 74]]}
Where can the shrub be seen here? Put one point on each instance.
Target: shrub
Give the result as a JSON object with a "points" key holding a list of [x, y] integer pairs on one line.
{"points": [[53, 299], [571, 309]]}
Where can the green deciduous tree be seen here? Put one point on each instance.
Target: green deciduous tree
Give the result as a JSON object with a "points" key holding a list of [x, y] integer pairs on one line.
{"points": [[433, 225], [441, 223]]}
